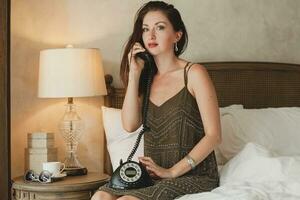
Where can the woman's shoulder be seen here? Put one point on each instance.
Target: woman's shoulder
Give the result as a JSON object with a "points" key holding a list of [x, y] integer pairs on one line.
{"points": [[196, 68], [190, 64], [197, 72]]}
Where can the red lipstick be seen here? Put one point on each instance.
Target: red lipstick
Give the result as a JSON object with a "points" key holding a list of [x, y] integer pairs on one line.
{"points": [[152, 45]]}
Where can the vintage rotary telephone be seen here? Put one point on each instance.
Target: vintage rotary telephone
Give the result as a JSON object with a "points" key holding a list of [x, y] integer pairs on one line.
{"points": [[131, 174]]}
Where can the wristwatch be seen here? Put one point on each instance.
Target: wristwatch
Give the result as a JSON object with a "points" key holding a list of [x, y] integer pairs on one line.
{"points": [[191, 161]]}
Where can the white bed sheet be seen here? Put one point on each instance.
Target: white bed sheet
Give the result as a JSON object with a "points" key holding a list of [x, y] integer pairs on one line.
{"points": [[256, 174]]}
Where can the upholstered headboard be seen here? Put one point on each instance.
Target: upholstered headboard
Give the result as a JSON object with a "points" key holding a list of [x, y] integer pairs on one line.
{"points": [[253, 84]]}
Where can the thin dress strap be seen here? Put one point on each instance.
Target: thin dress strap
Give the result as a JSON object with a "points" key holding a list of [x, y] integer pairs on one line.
{"points": [[186, 73]]}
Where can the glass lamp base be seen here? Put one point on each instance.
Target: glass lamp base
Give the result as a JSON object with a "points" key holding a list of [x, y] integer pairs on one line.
{"points": [[71, 161], [71, 128]]}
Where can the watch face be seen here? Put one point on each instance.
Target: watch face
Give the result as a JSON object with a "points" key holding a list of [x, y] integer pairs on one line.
{"points": [[130, 172]]}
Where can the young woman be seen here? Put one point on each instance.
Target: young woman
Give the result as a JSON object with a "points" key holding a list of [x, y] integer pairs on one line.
{"points": [[183, 113]]}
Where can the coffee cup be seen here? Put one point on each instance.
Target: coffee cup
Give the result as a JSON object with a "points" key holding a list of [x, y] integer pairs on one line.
{"points": [[55, 168]]}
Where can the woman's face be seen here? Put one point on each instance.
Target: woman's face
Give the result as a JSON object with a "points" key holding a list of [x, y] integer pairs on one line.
{"points": [[158, 33]]}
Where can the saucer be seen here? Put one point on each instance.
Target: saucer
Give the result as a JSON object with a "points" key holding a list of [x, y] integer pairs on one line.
{"points": [[59, 176]]}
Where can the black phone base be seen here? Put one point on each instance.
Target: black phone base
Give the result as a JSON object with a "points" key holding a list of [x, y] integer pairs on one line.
{"points": [[130, 175]]}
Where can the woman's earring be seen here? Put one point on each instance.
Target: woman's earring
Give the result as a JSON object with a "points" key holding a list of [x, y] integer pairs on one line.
{"points": [[176, 47]]}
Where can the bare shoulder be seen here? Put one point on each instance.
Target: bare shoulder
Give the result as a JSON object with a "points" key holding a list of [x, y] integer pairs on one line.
{"points": [[198, 77], [197, 73]]}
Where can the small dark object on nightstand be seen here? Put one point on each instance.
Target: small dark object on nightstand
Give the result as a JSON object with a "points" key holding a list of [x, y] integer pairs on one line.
{"points": [[76, 171]]}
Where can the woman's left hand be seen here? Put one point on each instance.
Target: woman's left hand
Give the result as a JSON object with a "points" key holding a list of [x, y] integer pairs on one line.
{"points": [[154, 169]]}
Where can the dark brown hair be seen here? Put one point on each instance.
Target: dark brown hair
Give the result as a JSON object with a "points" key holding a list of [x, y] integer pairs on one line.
{"points": [[173, 16]]}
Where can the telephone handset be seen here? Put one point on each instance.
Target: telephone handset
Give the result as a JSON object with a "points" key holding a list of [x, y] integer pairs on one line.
{"points": [[146, 56], [131, 174]]}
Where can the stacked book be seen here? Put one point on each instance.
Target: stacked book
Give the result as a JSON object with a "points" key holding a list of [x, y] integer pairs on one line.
{"points": [[40, 149]]}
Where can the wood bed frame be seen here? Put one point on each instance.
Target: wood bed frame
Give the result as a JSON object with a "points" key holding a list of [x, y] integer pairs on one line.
{"points": [[253, 84]]}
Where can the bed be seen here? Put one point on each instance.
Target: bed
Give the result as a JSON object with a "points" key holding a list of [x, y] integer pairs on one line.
{"points": [[259, 157]]}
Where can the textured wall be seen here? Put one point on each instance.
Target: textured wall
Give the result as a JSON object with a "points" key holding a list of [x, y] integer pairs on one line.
{"points": [[227, 30]]}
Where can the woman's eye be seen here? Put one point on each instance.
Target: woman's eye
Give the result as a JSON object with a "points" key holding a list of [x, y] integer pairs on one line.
{"points": [[160, 27], [145, 29]]}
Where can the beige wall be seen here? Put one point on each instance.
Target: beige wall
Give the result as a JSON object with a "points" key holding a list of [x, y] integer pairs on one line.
{"points": [[227, 30]]}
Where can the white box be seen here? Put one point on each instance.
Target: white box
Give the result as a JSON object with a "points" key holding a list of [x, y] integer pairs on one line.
{"points": [[40, 140], [34, 158]]}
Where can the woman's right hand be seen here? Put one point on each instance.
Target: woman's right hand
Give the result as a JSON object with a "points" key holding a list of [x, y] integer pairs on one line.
{"points": [[136, 64]]}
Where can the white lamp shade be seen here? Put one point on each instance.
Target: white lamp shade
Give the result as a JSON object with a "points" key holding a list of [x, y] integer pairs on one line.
{"points": [[71, 72]]}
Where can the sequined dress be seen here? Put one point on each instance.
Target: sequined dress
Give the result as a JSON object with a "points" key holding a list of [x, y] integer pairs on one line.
{"points": [[175, 128]]}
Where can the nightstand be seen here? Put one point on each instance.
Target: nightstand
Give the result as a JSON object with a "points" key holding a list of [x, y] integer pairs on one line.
{"points": [[71, 188]]}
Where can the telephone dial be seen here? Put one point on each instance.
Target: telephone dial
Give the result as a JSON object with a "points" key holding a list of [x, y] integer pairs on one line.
{"points": [[131, 174]]}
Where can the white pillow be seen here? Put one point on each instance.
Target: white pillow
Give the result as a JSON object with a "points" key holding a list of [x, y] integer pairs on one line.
{"points": [[119, 141], [256, 163], [275, 128], [221, 160], [223, 110]]}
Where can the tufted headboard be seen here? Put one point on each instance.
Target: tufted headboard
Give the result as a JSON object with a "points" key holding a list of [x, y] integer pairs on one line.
{"points": [[253, 84]]}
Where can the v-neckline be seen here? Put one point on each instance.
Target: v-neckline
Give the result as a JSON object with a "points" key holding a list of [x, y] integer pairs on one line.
{"points": [[169, 99]]}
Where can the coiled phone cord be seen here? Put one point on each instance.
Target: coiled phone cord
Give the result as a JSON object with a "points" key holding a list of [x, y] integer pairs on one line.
{"points": [[149, 67]]}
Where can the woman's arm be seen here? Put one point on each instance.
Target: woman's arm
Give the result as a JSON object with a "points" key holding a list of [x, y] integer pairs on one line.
{"points": [[131, 110], [203, 90]]}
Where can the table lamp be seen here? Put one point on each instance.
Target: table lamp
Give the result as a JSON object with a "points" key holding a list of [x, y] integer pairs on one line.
{"points": [[67, 73]]}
